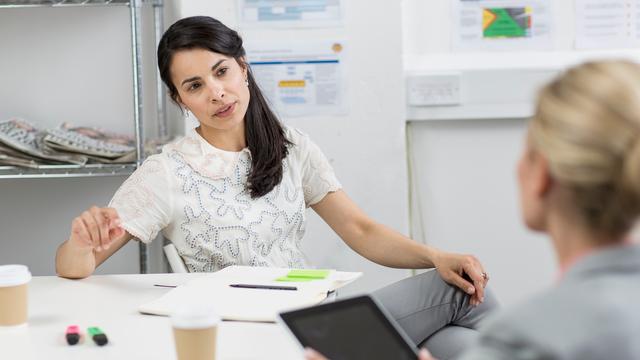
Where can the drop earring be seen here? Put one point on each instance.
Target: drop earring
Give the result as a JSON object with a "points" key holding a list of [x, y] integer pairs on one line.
{"points": [[246, 82]]}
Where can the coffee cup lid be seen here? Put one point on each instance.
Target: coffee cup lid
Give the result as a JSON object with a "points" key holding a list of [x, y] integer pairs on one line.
{"points": [[14, 275], [198, 316]]}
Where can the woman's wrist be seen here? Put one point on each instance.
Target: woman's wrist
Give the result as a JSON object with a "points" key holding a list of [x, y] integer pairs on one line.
{"points": [[74, 261], [431, 256], [77, 249]]}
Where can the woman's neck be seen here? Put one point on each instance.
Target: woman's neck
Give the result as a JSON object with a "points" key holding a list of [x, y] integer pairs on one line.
{"points": [[572, 240], [227, 140]]}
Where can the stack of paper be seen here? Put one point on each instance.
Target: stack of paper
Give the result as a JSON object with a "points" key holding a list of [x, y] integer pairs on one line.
{"points": [[96, 144], [247, 304], [21, 144], [24, 144]]}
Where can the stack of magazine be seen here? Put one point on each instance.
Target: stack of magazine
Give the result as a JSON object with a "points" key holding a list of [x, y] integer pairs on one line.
{"points": [[23, 144]]}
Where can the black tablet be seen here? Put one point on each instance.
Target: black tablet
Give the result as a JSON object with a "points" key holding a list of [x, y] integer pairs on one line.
{"points": [[351, 329]]}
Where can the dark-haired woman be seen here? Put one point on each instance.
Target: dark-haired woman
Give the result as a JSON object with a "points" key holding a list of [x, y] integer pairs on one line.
{"points": [[234, 191]]}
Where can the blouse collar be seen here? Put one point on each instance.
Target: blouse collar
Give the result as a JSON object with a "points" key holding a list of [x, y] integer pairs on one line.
{"points": [[205, 158]]}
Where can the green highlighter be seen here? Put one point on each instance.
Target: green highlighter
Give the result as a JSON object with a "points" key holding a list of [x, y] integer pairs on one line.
{"points": [[301, 275], [99, 337]]}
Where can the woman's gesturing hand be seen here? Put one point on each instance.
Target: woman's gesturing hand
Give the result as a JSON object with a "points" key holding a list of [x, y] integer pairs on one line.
{"points": [[463, 271], [96, 228]]}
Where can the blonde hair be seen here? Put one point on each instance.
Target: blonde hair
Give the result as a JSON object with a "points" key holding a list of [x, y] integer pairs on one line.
{"points": [[587, 125]]}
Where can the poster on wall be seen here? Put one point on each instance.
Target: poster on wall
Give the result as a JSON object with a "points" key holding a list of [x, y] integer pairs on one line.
{"points": [[489, 25], [602, 24], [301, 78], [290, 13]]}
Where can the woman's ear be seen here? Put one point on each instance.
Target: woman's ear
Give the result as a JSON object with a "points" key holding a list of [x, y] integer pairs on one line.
{"points": [[178, 101], [542, 179], [242, 61], [535, 185]]}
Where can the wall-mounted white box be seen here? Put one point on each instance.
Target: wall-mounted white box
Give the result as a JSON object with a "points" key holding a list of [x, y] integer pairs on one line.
{"points": [[433, 89]]}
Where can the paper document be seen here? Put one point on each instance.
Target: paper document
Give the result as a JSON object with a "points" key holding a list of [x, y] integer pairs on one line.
{"points": [[501, 25], [23, 137], [607, 24], [243, 304], [290, 13], [301, 78]]}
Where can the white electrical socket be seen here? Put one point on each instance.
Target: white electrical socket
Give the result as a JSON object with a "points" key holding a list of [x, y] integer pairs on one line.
{"points": [[433, 89]]}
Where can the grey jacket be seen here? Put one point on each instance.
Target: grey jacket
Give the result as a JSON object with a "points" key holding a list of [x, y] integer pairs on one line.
{"points": [[593, 313]]}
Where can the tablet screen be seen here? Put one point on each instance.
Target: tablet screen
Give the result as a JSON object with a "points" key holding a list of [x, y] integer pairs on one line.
{"points": [[351, 329]]}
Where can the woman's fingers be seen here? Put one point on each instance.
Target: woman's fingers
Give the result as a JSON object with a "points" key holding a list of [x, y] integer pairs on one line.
{"points": [[79, 233], [114, 233], [112, 215], [97, 228], [457, 280], [112, 221], [103, 227], [465, 272], [474, 270], [425, 355], [310, 354], [92, 228]]}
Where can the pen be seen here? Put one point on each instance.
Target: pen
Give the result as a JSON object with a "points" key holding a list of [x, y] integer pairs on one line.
{"points": [[267, 287]]}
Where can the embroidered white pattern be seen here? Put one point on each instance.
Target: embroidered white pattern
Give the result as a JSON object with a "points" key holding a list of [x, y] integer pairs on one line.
{"points": [[221, 220], [198, 195]]}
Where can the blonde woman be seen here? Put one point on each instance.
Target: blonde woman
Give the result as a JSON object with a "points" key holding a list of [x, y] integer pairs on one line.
{"points": [[579, 179]]}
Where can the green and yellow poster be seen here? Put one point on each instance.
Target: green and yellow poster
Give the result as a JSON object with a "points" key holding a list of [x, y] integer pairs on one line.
{"points": [[506, 22]]}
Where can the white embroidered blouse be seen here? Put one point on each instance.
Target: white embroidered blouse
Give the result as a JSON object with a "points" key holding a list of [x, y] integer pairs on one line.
{"points": [[197, 196]]}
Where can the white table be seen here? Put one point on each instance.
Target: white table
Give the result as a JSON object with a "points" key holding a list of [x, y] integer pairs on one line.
{"points": [[110, 302]]}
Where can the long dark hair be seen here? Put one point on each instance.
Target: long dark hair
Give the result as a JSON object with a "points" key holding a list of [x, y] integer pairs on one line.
{"points": [[263, 131]]}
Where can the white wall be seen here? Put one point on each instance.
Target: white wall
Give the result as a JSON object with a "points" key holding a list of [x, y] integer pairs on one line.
{"points": [[81, 72], [463, 169], [365, 147], [66, 64], [427, 31], [427, 25], [465, 195], [464, 172]]}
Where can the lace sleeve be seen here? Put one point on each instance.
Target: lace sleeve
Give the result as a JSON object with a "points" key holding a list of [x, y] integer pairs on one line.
{"points": [[143, 201], [318, 177]]}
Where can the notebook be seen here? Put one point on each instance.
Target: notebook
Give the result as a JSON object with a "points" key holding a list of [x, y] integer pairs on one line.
{"points": [[250, 304]]}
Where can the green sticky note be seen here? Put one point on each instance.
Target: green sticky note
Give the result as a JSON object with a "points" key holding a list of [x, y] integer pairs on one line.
{"points": [[308, 274], [293, 279], [302, 275]]}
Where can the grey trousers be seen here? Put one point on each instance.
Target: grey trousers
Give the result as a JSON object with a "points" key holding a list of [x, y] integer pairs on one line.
{"points": [[434, 314]]}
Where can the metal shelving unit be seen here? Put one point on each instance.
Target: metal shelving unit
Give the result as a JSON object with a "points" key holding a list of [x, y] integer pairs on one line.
{"points": [[62, 171], [60, 3], [92, 170]]}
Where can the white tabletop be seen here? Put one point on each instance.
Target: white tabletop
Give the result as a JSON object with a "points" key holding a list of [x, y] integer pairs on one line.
{"points": [[110, 302]]}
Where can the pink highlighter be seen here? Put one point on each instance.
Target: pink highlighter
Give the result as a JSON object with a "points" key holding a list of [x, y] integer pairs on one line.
{"points": [[72, 334]]}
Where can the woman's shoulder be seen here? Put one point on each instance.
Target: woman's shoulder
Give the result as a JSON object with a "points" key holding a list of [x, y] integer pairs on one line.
{"points": [[151, 167], [294, 134], [159, 162], [299, 139], [187, 144]]}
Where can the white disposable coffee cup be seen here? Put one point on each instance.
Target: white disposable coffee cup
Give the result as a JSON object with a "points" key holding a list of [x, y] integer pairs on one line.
{"points": [[14, 281], [195, 330]]}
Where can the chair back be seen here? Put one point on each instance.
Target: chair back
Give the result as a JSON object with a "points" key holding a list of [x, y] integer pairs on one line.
{"points": [[174, 259]]}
